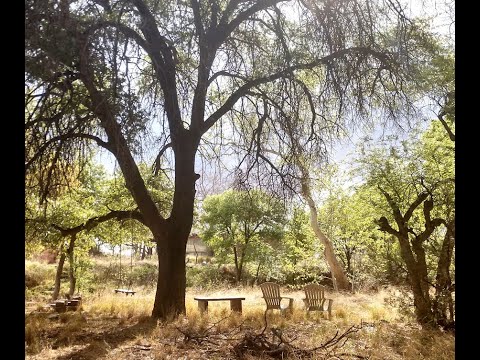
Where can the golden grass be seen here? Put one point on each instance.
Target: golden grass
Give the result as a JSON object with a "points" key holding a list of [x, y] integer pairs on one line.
{"points": [[383, 335], [120, 305]]}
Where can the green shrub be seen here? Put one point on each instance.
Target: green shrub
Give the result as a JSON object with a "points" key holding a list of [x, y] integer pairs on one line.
{"points": [[209, 276], [144, 274], [38, 274]]}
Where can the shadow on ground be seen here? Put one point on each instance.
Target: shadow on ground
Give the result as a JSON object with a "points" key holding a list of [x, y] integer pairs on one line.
{"points": [[99, 345]]}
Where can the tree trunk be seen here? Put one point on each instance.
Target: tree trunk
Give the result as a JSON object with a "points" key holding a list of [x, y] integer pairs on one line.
{"points": [[58, 275], [238, 271], [339, 278], [170, 234], [71, 272], [348, 257], [443, 292], [170, 295], [196, 253], [172, 243], [416, 265], [416, 277], [257, 273], [135, 250]]}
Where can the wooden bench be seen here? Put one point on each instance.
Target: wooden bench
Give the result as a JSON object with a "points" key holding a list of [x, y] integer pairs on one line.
{"points": [[67, 305], [235, 302], [125, 291]]}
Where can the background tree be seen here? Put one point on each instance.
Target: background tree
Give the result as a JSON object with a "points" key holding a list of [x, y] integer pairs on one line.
{"points": [[89, 212], [238, 222], [347, 215], [190, 72], [299, 247], [417, 188]]}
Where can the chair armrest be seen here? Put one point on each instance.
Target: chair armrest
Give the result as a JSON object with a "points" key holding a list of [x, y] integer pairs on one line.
{"points": [[290, 302], [330, 302]]}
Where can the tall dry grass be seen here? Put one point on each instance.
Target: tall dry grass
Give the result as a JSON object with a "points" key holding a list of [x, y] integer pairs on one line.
{"points": [[384, 334]]}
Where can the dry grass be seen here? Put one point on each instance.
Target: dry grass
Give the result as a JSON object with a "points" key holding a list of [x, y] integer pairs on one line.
{"points": [[114, 326], [120, 305]]}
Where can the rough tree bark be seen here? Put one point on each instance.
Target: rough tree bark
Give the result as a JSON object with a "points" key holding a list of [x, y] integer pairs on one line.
{"points": [[71, 260], [58, 275], [171, 245]]}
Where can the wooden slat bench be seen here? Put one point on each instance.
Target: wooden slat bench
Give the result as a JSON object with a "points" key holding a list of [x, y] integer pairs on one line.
{"points": [[235, 302], [125, 291]]}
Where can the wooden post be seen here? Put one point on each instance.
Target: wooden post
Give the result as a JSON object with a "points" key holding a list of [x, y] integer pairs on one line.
{"points": [[290, 305], [202, 306], [236, 305]]}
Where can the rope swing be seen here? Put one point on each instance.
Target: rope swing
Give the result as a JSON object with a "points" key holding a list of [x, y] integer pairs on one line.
{"points": [[128, 290]]}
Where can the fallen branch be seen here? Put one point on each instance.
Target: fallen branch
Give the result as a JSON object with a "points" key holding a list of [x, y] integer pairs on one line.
{"points": [[255, 344]]}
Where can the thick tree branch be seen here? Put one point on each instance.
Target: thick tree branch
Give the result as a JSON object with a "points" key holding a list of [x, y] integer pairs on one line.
{"points": [[430, 224], [93, 222], [224, 73], [197, 20], [396, 211], [244, 15], [386, 227], [420, 198], [450, 133], [125, 30], [103, 109], [162, 54]]}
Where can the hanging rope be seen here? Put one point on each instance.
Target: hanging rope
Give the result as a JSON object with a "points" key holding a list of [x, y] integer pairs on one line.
{"points": [[131, 253], [120, 269], [120, 289]]}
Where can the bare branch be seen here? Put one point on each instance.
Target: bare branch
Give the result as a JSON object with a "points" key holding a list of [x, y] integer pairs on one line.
{"points": [[156, 165], [286, 73]]}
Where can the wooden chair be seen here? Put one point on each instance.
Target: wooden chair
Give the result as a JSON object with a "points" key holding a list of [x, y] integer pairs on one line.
{"points": [[315, 299], [271, 295]]}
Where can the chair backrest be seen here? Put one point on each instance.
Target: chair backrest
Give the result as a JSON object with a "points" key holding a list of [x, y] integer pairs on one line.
{"points": [[315, 295], [271, 294]]}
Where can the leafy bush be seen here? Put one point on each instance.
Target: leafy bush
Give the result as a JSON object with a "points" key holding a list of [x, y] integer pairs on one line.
{"points": [[85, 276], [144, 274], [38, 274], [402, 299], [209, 276]]}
